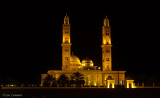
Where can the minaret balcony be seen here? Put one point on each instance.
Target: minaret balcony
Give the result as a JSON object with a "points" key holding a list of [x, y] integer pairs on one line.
{"points": [[106, 45], [63, 44]]}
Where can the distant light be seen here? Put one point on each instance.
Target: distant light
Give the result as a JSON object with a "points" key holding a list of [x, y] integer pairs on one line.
{"points": [[12, 85], [121, 82]]}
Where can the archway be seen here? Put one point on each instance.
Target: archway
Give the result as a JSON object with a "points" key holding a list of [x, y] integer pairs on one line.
{"points": [[110, 85], [130, 85]]}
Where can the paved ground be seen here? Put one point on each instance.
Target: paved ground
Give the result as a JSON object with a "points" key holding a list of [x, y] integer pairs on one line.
{"points": [[81, 93]]}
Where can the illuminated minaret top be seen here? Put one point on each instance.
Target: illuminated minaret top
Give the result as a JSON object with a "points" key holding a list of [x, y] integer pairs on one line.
{"points": [[66, 19], [106, 32], [106, 22], [66, 30]]}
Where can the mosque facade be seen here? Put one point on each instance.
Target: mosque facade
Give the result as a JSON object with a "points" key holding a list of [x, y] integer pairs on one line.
{"points": [[94, 76]]}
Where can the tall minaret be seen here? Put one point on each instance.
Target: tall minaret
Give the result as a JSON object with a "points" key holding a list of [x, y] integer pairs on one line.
{"points": [[106, 46], [66, 45]]}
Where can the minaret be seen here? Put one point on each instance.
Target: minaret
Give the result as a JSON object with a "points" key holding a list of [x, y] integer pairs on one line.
{"points": [[66, 44], [106, 46]]}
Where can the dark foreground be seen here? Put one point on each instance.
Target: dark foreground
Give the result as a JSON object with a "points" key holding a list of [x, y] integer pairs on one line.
{"points": [[81, 93]]}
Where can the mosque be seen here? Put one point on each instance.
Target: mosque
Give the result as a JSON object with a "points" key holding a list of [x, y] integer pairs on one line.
{"points": [[94, 76]]}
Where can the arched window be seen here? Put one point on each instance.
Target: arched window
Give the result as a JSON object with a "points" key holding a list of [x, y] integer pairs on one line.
{"points": [[107, 33], [107, 43], [66, 32], [107, 59], [107, 51], [66, 58], [109, 77], [66, 50], [66, 40]]}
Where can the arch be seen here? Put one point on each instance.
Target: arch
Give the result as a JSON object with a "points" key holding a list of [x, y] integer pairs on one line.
{"points": [[130, 85], [110, 85], [109, 77]]}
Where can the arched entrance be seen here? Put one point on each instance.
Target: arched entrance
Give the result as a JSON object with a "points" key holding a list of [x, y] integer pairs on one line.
{"points": [[110, 85], [110, 82], [130, 85]]}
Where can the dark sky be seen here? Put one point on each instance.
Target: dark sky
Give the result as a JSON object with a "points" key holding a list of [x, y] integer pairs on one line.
{"points": [[32, 39]]}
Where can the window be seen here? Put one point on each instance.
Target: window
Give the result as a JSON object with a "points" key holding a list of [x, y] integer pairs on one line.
{"points": [[66, 50], [107, 33], [66, 32], [66, 40], [107, 51], [107, 59], [66, 58], [121, 82]]}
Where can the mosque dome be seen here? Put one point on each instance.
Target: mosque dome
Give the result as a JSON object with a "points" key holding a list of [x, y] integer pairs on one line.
{"points": [[87, 62], [74, 59]]}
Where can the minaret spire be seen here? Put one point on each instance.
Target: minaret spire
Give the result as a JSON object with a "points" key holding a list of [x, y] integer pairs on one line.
{"points": [[66, 19], [106, 22]]}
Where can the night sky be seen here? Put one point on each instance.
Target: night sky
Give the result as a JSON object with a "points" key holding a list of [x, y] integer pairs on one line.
{"points": [[33, 37]]}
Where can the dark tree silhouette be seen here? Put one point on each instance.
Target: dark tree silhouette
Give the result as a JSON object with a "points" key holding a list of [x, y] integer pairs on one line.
{"points": [[62, 80], [77, 78], [49, 81]]}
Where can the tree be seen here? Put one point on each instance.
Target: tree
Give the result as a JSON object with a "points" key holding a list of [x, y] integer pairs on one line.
{"points": [[77, 78], [62, 80], [49, 81]]}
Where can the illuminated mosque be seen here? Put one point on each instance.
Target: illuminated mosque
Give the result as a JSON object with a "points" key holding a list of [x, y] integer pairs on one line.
{"points": [[94, 76]]}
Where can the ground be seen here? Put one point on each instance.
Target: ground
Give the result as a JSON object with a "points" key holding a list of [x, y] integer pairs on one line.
{"points": [[82, 93]]}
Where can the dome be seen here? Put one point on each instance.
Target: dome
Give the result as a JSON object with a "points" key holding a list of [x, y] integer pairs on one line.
{"points": [[87, 62], [74, 59], [86, 59]]}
